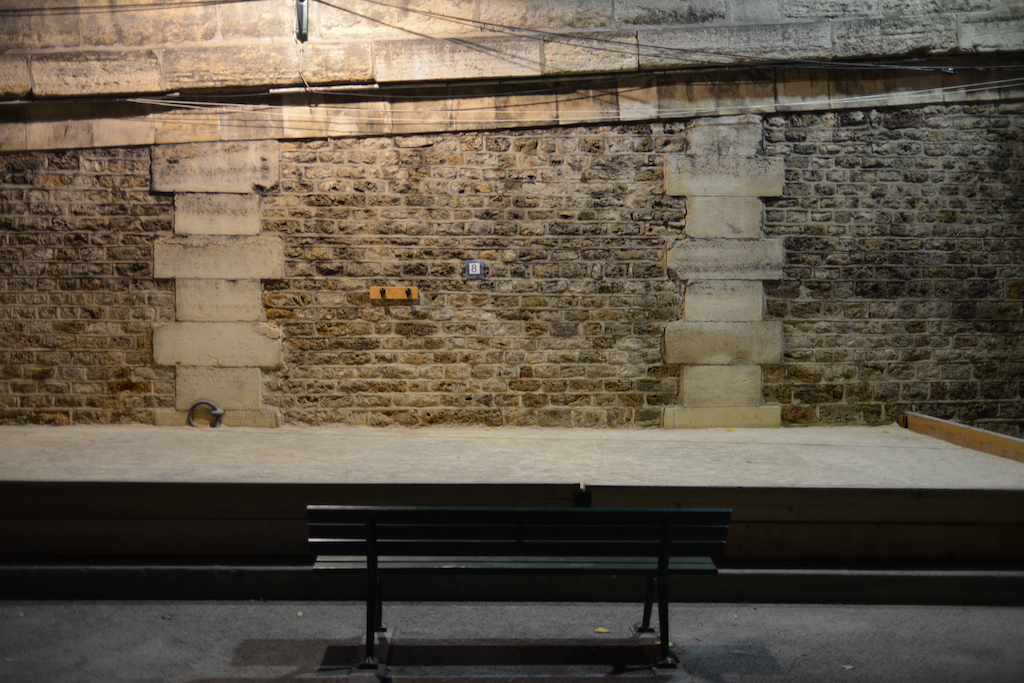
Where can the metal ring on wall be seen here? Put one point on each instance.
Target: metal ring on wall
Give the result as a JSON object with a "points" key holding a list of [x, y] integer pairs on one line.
{"points": [[217, 413]]}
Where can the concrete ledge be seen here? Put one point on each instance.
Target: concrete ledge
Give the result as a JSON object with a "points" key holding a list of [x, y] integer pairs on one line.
{"points": [[721, 176], [215, 257], [711, 343], [268, 418], [225, 345], [238, 167], [726, 259], [681, 417], [721, 386]]}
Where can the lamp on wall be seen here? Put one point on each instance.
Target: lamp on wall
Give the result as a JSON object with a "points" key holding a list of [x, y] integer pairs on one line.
{"points": [[302, 20]]}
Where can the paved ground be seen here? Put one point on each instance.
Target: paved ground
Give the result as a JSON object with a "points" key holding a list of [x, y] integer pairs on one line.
{"points": [[208, 642], [872, 457]]}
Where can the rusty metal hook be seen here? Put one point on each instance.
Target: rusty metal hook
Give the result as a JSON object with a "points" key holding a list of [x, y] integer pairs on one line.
{"points": [[217, 413]]}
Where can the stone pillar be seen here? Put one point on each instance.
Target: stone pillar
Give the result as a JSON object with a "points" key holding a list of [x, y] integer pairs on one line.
{"points": [[220, 339], [722, 261]]}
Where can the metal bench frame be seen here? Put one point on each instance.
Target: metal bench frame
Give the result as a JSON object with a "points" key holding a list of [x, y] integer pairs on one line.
{"points": [[407, 540]]}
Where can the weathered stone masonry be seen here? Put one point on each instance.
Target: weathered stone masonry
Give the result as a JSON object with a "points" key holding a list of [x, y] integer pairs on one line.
{"points": [[902, 286], [565, 330], [904, 276]]}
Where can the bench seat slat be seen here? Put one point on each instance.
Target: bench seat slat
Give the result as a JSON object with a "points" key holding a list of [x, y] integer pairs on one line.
{"points": [[541, 565], [510, 532], [490, 516], [511, 548]]}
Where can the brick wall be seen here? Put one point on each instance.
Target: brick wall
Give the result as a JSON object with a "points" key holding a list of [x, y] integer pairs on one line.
{"points": [[77, 297], [904, 287], [565, 330]]}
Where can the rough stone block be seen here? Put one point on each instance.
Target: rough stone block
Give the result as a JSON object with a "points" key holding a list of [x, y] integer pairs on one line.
{"points": [[585, 106], [215, 257], [59, 126], [235, 66], [702, 45], [225, 345], [680, 417], [331, 21], [935, 33], [668, 12], [218, 300], [96, 73], [216, 214], [348, 62], [710, 259], [15, 80], [237, 167], [984, 33], [548, 15], [638, 100], [814, 9], [802, 90], [186, 126], [740, 92], [572, 55], [251, 125], [257, 19], [433, 59], [715, 386], [693, 97], [135, 25], [55, 24], [751, 11], [228, 388], [265, 418], [716, 176], [13, 137], [712, 343], [725, 136], [731, 217], [724, 301], [526, 110], [351, 118], [125, 131]]}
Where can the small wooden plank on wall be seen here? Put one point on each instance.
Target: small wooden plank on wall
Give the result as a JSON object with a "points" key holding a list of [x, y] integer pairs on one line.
{"points": [[395, 293], [963, 435]]}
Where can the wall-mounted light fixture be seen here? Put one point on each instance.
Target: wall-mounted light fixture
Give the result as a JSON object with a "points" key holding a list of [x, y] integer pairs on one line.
{"points": [[302, 20]]}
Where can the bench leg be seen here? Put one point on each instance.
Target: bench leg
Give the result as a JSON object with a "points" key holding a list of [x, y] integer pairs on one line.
{"points": [[373, 618], [645, 625], [668, 661]]}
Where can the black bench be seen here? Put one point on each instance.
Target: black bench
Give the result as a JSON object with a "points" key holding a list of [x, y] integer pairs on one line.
{"points": [[405, 540]]}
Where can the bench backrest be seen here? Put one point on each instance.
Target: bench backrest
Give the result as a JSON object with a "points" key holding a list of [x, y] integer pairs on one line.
{"points": [[516, 532]]}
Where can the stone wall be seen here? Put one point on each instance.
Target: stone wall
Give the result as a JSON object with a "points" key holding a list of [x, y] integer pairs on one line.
{"points": [[74, 48], [904, 276], [565, 329], [902, 285], [77, 294]]}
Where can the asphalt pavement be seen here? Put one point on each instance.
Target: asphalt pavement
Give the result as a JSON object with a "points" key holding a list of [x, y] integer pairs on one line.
{"points": [[221, 641]]}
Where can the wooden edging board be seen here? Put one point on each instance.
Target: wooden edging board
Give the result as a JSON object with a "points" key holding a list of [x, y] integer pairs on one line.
{"points": [[962, 435]]}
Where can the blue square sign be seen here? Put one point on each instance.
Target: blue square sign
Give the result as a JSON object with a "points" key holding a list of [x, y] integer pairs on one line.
{"points": [[474, 269]]}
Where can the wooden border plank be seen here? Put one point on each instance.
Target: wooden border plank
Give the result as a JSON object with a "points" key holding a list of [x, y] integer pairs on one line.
{"points": [[963, 435]]}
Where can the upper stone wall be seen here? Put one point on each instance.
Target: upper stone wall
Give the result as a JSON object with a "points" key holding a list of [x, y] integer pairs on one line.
{"points": [[60, 48]]}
